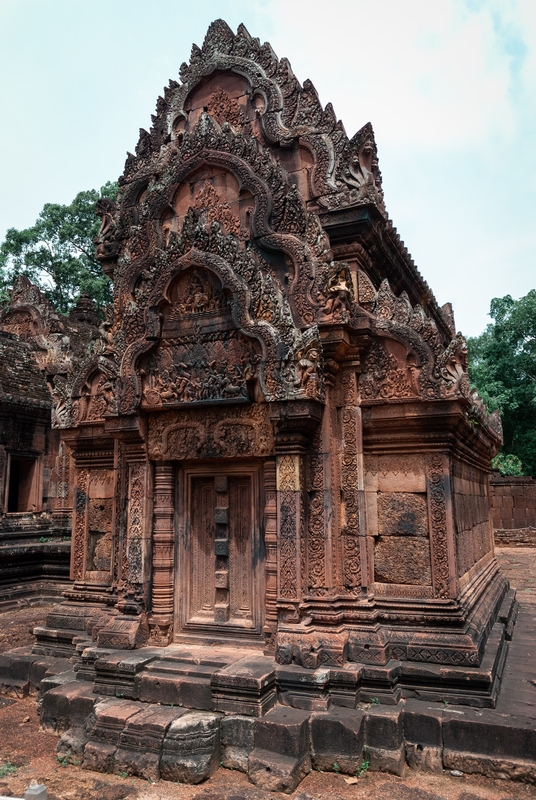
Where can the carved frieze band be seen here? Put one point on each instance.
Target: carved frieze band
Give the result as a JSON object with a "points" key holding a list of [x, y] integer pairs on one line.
{"points": [[437, 466], [247, 431]]}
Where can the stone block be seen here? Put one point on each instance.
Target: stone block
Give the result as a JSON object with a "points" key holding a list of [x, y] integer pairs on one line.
{"points": [[344, 685], [141, 741], [72, 743], [403, 559], [176, 690], [15, 668], [384, 760], [402, 514], [111, 716], [276, 772], [424, 757], [383, 727], [99, 757], [337, 739], [237, 740], [490, 734], [303, 688], [246, 687], [52, 681], [284, 731], [36, 792], [66, 706], [191, 748], [422, 723], [124, 632]]}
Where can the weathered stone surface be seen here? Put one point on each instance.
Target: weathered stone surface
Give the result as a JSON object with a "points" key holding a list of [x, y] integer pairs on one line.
{"points": [[281, 757], [99, 756], [402, 514], [422, 723], [401, 559], [237, 741], [277, 772], [67, 706], [245, 687], [141, 739], [283, 730], [72, 743], [337, 739], [110, 718], [384, 745], [191, 748]]}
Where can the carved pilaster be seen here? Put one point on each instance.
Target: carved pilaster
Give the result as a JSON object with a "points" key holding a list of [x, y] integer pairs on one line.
{"points": [[352, 488], [129, 629], [270, 543], [161, 622], [78, 547], [441, 526], [289, 508]]}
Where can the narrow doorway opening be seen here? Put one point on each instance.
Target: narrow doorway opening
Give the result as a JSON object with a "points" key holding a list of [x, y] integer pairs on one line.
{"points": [[21, 495]]}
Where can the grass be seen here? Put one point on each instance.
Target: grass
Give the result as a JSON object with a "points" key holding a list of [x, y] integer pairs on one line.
{"points": [[7, 769]]}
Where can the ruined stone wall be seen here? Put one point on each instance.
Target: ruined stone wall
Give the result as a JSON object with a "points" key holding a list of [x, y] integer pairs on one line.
{"points": [[513, 502]]}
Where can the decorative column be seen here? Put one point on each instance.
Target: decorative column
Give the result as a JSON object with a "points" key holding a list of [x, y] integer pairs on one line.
{"points": [[161, 620], [129, 628], [354, 555], [442, 546], [289, 472], [270, 543]]}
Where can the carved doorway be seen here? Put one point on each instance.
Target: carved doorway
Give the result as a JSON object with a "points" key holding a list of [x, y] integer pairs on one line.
{"points": [[220, 580]]}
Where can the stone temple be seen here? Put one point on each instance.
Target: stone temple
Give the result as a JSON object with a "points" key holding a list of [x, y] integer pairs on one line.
{"points": [[277, 455]]}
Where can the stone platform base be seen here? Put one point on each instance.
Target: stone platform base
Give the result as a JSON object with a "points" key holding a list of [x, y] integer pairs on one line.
{"points": [[177, 713]]}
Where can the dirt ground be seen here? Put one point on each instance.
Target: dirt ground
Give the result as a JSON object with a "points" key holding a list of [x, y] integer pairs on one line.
{"points": [[29, 755]]}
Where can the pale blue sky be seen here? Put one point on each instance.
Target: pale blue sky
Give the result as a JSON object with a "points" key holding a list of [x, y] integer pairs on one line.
{"points": [[449, 86]]}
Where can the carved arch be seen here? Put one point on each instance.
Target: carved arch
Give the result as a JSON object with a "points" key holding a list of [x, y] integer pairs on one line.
{"points": [[262, 331]]}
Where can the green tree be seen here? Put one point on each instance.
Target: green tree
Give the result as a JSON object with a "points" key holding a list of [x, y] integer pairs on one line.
{"points": [[57, 253], [502, 366]]}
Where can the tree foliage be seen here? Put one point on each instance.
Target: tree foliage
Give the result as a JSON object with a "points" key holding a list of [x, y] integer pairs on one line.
{"points": [[502, 365], [57, 253]]}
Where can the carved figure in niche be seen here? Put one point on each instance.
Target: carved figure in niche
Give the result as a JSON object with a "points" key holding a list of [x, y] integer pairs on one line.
{"points": [[225, 109], [106, 245], [452, 368], [210, 205], [97, 399], [338, 289], [383, 378], [362, 171], [198, 296], [308, 371], [61, 402], [105, 345]]}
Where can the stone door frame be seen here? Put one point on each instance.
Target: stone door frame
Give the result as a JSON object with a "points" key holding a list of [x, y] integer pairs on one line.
{"points": [[183, 629]]}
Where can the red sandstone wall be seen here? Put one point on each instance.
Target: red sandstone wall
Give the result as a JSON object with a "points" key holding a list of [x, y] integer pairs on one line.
{"points": [[513, 502], [471, 514]]}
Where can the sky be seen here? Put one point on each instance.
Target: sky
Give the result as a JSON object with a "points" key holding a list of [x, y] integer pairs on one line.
{"points": [[449, 86]]}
